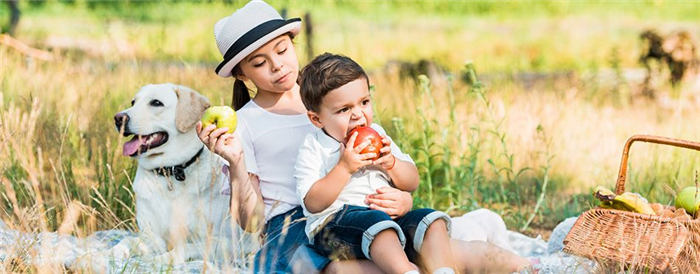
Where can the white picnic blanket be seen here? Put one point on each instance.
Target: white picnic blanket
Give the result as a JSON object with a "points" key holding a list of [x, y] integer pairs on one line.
{"points": [[80, 253], [550, 254]]}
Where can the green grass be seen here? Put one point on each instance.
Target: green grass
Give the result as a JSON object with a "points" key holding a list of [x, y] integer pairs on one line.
{"points": [[532, 154]]}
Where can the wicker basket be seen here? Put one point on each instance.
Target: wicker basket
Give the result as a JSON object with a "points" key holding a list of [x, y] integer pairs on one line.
{"points": [[641, 242]]}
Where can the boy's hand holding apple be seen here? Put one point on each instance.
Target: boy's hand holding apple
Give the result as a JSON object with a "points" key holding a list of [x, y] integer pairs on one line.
{"points": [[366, 134], [380, 146], [386, 160], [352, 159]]}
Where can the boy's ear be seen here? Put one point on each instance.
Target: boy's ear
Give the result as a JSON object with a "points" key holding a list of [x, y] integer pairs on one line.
{"points": [[315, 119]]}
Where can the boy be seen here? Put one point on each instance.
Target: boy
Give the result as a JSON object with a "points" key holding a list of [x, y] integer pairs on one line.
{"points": [[333, 179]]}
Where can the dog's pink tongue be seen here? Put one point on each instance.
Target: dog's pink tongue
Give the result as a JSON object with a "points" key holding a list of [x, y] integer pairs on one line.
{"points": [[132, 146]]}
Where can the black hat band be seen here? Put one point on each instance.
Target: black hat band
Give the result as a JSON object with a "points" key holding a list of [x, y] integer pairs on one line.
{"points": [[253, 35]]}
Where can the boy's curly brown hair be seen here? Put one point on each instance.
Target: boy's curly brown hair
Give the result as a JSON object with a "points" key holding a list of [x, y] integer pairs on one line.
{"points": [[324, 73]]}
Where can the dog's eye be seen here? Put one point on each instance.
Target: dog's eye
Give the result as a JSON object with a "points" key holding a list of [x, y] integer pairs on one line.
{"points": [[132, 102], [156, 103]]}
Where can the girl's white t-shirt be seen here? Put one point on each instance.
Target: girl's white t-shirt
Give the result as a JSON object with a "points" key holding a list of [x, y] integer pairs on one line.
{"points": [[270, 145]]}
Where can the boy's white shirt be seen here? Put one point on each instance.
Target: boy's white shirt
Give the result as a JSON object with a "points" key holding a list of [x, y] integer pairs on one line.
{"points": [[268, 141], [318, 154]]}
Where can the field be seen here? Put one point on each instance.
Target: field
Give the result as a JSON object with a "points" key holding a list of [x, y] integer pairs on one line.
{"points": [[557, 96]]}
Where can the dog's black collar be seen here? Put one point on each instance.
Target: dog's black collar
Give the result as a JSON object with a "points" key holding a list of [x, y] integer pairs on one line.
{"points": [[178, 171]]}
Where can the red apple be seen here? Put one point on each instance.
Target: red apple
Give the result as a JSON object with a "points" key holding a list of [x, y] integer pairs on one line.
{"points": [[367, 133]]}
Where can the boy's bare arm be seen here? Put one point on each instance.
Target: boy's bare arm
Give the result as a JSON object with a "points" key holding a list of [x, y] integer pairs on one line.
{"points": [[327, 189], [404, 175]]}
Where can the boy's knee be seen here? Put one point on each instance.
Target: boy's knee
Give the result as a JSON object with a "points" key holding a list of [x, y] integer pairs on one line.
{"points": [[438, 226], [388, 232], [433, 222], [381, 229]]}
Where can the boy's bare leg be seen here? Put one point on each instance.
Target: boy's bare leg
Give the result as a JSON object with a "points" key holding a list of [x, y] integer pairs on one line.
{"points": [[433, 253], [351, 267], [471, 257], [354, 266], [387, 253], [483, 257]]}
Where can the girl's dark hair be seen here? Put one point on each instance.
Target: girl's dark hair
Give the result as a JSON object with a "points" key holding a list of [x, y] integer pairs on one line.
{"points": [[241, 94]]}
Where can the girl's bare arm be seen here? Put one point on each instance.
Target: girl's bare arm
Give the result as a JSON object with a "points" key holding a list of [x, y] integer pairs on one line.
{"points": [[246, 204]]}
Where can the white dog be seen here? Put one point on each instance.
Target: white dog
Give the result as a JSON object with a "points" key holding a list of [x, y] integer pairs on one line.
{"points": [[180, 211]]}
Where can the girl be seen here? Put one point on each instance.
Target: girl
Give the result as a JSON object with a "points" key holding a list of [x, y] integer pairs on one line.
{"points": [[256, 44]]}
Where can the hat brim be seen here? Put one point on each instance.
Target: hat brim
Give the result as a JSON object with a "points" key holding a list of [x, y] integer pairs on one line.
{"points": [[292, 26]]}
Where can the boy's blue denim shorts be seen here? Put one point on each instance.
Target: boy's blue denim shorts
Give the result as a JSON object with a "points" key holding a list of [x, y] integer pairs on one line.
{"points": [[349, 233], [286, 247]]}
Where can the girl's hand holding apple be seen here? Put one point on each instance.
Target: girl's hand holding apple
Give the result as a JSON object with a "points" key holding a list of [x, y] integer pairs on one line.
{"points": [[216, 130], [221, 116], [219, 141]]}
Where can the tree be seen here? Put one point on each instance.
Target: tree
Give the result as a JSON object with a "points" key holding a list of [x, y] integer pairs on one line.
{"points": [[14, 15]]}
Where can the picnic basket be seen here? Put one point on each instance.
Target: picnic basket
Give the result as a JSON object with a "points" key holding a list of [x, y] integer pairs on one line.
{"points": [[639, 242]]}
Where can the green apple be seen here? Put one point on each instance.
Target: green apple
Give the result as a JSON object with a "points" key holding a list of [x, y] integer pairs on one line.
{"points": [[689, 198], [221, 116]]}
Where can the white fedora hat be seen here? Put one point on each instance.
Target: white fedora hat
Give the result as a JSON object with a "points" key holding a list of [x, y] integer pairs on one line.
{"points": [[246, 30]]}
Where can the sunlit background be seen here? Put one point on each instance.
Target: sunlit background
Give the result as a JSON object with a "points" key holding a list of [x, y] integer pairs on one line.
{"points": [[560, 87]]}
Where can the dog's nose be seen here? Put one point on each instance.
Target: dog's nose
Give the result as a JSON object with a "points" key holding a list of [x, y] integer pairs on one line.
{"points": [[120, 120]]}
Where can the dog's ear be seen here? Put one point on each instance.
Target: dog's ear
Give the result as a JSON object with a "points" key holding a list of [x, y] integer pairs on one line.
{"points": [[190, 108]]}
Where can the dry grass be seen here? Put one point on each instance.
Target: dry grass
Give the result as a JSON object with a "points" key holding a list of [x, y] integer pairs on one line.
{"points": [[60, 161]]}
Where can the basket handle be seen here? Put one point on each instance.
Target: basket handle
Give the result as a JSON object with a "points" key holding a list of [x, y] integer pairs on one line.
{"points": [[622, 176]]}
